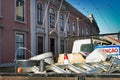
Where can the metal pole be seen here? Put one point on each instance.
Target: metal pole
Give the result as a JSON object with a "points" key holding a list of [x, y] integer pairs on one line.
{"points": [[42, 65], [16, 60]]}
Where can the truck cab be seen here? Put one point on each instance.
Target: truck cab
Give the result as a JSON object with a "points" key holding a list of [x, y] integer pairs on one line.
{"points": [[87, 45]]}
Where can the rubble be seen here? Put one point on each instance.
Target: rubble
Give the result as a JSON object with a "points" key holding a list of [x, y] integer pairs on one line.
{"points": [[103, 59]]}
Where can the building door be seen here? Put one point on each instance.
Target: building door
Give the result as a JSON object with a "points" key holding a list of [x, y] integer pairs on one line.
{"points": [[62, 46], [52, 45], [40, 45]]}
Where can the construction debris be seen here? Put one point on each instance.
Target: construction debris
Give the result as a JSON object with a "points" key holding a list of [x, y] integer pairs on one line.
{"points": [[73, 58], [102, 59]]}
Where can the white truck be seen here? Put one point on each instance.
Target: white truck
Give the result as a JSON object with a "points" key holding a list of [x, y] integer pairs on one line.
{"points": [[87, 45], [96, 50]]}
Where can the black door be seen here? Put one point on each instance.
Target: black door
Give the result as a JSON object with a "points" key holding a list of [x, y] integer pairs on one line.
{"points": [[40, 45], [52, 45]]}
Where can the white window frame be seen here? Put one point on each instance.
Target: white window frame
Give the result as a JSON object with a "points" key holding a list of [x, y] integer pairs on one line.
{"points": [[52, 17], [24, 21], [17, 49]]}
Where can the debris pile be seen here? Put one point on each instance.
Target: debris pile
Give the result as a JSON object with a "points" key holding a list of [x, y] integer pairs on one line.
{"points": [[103, 59]]}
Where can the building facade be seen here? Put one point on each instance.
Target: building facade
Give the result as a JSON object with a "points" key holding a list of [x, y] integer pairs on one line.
{"points": [[14, 30], [40, 26], [52, 21]]}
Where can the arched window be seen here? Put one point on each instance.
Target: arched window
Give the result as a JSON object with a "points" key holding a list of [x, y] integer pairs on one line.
{"points": [[52, 18], [68, 26], [73, 27], [39, 13], [61, 24]]}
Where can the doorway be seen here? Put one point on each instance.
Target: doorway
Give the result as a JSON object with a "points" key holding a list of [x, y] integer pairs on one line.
{"points": [[52, 45], [40, 45]]}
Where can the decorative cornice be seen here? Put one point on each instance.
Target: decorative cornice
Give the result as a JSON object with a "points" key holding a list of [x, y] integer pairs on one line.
{"points": [[20, 29]]}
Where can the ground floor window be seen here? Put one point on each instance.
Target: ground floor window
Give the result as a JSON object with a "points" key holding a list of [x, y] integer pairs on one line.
{"points": [[62, 46], [40, 45], [20, 42]]}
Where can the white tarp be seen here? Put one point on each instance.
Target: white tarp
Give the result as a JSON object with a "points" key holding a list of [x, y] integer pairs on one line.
{"points": [[96, 56]]}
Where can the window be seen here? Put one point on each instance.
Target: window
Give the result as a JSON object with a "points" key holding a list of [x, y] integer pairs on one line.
{"points": [[79, 29], [73, 27], [68, 26], [85, 31], [62, 46], [20, 53], [61, 24], [39, 14], [20, 10], [88, 47], [52, 18]]}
